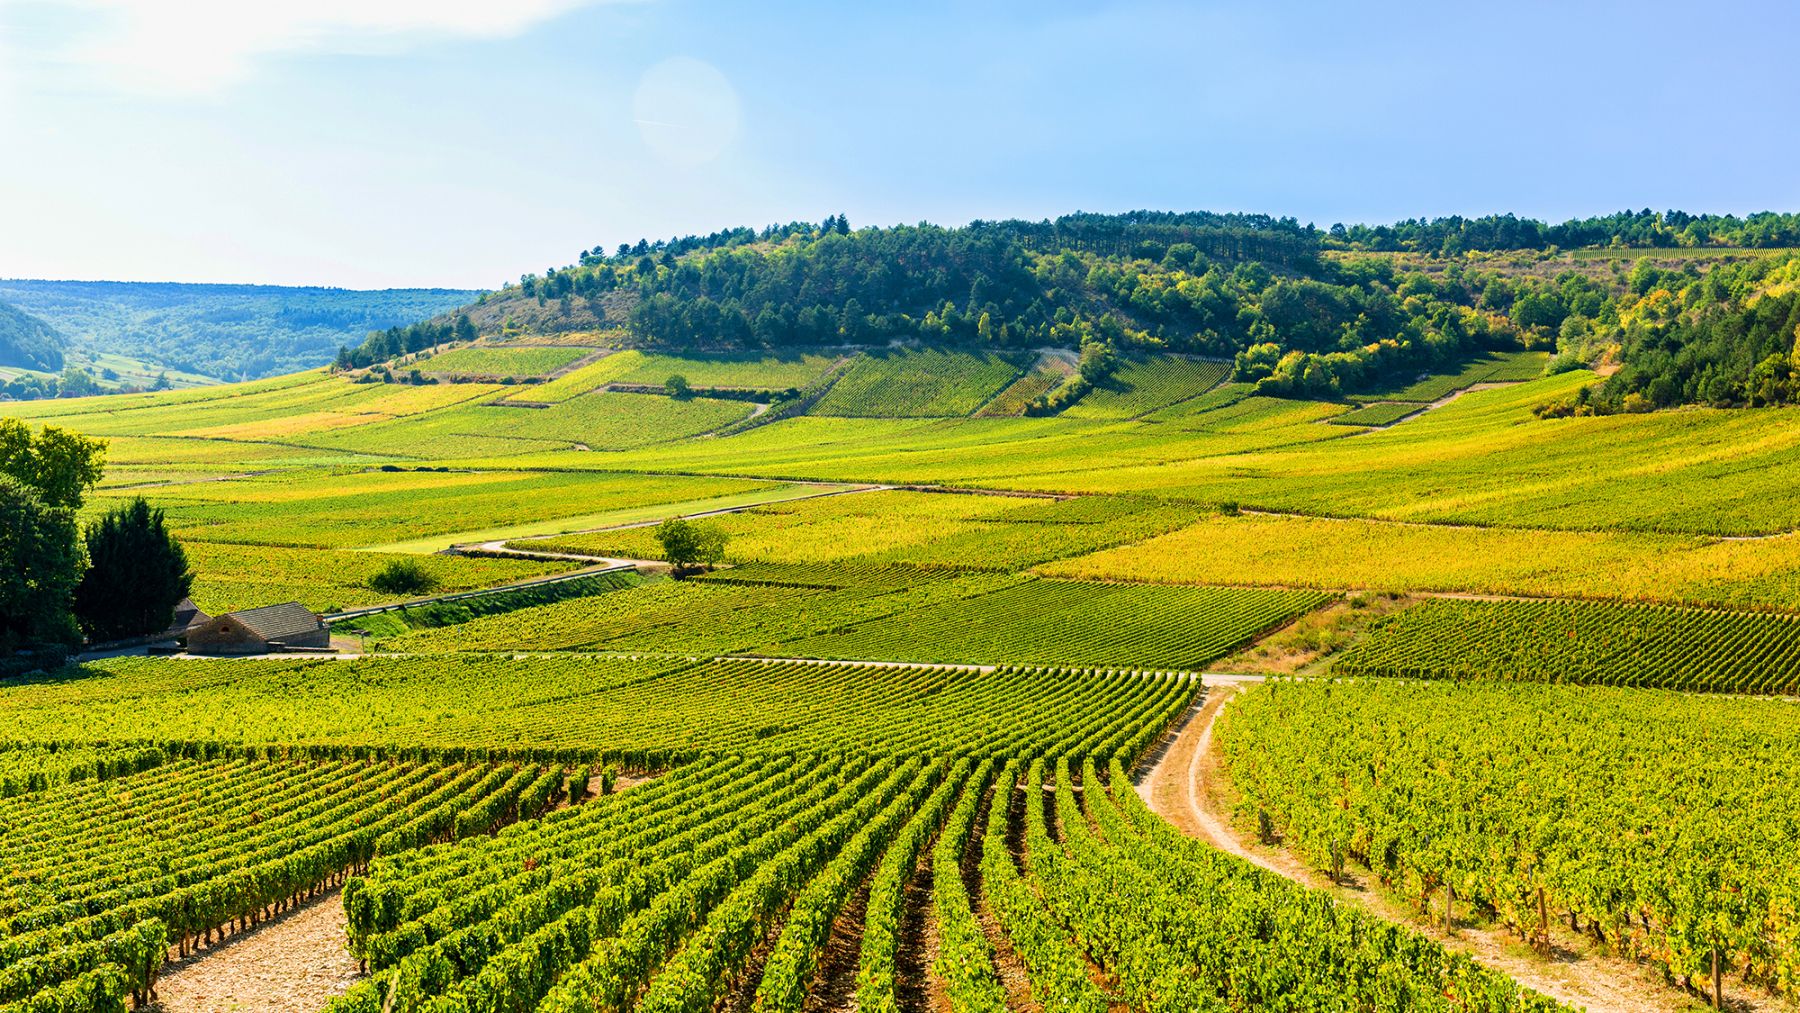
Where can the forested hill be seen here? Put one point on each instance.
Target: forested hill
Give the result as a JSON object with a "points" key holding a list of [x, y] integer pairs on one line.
{"points": [[1299, 310], [1646, 229], [225, 331], [27, 342]]}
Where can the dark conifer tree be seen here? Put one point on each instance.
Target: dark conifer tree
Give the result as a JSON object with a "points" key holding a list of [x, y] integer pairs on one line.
{"points": [[136, 576]]}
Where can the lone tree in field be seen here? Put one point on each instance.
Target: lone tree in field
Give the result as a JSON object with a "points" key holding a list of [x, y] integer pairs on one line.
{"points": [[136, 576], [678, 387], [686, 544]]}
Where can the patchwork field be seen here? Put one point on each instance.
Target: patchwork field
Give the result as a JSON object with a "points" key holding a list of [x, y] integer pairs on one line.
{"points": [[935, 725]]}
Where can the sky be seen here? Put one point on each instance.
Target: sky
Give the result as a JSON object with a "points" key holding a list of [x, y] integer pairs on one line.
{"points": [[461, 143]]}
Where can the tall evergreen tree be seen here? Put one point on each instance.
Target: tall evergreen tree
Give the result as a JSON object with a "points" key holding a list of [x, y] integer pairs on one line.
{"points": [[136, 576]]}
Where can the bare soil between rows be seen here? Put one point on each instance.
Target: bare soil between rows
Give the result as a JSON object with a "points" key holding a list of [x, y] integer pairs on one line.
{"points": [[293, 963], [1187, 786]]}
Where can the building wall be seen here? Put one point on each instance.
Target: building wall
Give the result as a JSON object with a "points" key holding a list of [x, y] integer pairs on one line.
{"points": [[321, 638], [224, 636]]}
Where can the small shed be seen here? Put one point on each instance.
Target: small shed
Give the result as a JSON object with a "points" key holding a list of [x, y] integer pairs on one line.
{"points": [[259, 631]]}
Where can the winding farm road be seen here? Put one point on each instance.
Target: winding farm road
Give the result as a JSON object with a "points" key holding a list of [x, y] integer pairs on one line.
{"points": [[1183, 787]]}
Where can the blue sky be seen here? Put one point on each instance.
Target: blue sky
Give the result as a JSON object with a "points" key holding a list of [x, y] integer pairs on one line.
{"points": [[368, 143]]}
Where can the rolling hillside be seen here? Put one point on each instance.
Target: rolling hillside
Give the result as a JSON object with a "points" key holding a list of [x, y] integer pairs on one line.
{"points": [[228, 332], [27, 342], [1689, 317], [1500, 673]]}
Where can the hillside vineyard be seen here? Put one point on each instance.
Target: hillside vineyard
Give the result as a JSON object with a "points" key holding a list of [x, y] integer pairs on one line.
{"points": [[1137, 613]]}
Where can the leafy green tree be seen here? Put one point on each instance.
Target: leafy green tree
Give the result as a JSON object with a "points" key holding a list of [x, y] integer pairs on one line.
{"points": [[687, 543], [678, 386], [60, 465], [137, 574], [40, 563]]}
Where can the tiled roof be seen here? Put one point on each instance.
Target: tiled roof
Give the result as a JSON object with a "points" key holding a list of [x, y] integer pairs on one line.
{"points": [[277, 622]]}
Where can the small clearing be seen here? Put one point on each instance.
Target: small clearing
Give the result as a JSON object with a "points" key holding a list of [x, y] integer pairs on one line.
{"points": [[294, 963]]}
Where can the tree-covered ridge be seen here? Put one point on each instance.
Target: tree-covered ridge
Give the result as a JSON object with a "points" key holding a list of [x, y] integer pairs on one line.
{"points": [[1213, 285], [225, 331], [1453, 235], [27, 342], [1250, 289], [1728, 338]]}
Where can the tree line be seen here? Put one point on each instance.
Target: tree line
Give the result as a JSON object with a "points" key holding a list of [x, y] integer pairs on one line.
{"points": [[1453, 235]]}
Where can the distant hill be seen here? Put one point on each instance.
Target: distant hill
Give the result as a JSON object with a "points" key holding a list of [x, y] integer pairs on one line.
{"points": [[27, 342], [1691, 309], [226, 331]]}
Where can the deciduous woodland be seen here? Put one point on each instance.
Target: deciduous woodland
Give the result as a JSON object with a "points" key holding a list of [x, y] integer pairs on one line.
{"points": [[1143, 612]]}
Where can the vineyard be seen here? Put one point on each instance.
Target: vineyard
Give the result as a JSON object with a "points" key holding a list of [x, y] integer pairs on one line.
{"points": [[502, 361], [1658, 824], [1590, 643], [895, 753], [896, 527], [1376, 413], [1074, 622], [896, 614], [760, 372], [1516, 367], [104, 878], [656, 900], [1143, 386], [914, 384]]}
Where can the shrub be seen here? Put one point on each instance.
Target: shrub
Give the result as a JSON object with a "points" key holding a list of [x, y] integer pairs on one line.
{"points": [[403, 576]]}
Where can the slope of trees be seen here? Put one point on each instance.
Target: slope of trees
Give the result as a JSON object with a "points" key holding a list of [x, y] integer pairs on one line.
{"points": [[1201, 283], [27, 342]]}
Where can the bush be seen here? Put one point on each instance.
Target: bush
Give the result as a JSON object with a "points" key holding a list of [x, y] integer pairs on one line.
{"points": [[403, 576]]}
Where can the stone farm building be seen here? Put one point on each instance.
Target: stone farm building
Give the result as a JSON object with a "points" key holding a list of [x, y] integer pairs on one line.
{"points": [[259, 631]]}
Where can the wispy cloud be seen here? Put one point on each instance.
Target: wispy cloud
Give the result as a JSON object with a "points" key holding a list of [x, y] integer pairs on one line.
{"points": [[196, 47]]}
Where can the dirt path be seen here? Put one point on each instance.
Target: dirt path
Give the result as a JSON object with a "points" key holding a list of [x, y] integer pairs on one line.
{"points": [[1184, 788], [292, 964]]}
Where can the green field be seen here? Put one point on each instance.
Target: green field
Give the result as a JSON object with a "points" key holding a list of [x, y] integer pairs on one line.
{"points": [[918, 384], [764, 372], [502, 361], [1514, 367], [1633, 797], [1376, 413], [884, 527], [858, 691], [1585, 643], [1142, 386]]}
